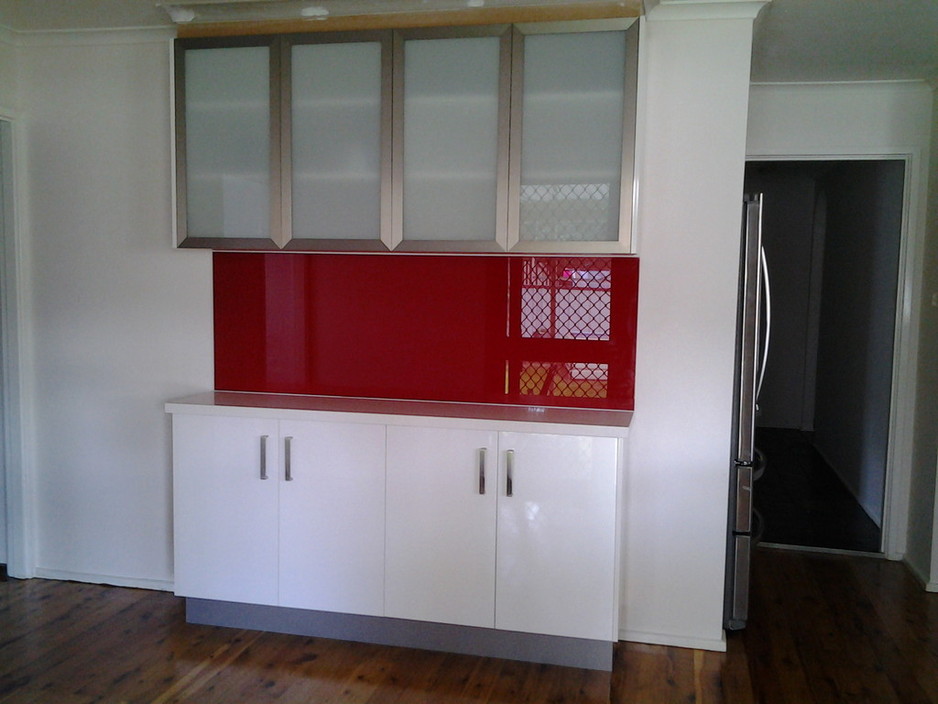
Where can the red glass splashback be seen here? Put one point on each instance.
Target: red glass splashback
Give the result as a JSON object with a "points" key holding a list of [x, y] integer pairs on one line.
{"points": [[552, 331]]}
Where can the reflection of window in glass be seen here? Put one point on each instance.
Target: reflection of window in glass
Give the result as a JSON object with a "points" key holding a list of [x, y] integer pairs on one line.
{"points": [[565, 298], [567, 379], [568, 212]]}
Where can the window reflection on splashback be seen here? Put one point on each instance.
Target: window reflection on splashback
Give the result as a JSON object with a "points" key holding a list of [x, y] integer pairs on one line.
{"points": [[553, 331]]}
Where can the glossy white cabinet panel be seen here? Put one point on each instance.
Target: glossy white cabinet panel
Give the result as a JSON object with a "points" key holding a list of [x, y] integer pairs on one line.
{"points": [[225, 514], [440, 528], [332, 517], [557, 535]]}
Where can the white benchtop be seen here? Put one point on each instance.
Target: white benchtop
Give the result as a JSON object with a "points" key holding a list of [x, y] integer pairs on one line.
{"points": [[614, 422]]}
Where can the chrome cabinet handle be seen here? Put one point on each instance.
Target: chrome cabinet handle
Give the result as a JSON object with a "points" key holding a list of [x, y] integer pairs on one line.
{"points": [[481, 470], [264, 456], [287, 452], [509, 471]]}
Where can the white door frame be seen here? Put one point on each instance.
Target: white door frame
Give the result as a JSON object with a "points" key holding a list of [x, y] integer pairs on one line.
{"points": [[18, 504], [905, 340]]}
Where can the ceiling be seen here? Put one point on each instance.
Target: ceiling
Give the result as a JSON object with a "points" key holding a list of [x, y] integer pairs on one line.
{"points": [[795, 40]]}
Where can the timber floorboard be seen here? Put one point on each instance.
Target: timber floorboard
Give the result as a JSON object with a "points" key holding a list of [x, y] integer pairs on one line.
{"points": [[823, 628]]}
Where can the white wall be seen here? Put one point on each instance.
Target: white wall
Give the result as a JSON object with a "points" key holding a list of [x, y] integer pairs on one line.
{"points": [[6, 233], [693, 111], [867, 119], [117, 320], [7, 101], [923, 516]]}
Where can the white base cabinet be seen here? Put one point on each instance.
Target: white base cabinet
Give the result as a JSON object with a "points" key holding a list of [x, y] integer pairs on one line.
{"points": [[446, 520], [556, 567], [310, 535], [226, 519], [515, 531], [441, 525]]}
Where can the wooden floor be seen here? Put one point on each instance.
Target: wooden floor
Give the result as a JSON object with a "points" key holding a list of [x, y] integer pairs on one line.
{"points": [[823, 629]]}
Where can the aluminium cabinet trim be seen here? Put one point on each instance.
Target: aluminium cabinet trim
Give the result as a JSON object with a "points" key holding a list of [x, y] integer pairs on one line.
{"points": [[498, 242], [627, 191], [202, 240], [379, 243], [506, 236]]}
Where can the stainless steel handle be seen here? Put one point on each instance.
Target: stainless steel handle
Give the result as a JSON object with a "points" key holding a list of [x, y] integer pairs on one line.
{"points": [[481, 470], [767, 320], [264, 456], [509, 472], [287, 453]]}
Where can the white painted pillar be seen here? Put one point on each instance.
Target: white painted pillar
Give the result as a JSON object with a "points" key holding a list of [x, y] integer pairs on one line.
{"points": [[693, 111]]}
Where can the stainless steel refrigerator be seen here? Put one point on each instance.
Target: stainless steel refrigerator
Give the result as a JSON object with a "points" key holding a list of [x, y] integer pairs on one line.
{"points": [[753, 327]]}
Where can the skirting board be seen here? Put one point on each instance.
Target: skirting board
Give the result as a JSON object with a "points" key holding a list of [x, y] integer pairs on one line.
{"points": [[715, 644], [929, 585], [551, 650], [110, 580]]}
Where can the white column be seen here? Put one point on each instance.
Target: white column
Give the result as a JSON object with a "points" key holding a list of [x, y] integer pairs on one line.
{"points": [[693, 109]]}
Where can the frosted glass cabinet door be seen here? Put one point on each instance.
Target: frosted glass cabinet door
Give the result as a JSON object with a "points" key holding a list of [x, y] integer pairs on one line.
{"points": [[339, 99], [452, 140], [572, 140], [225, 153]]}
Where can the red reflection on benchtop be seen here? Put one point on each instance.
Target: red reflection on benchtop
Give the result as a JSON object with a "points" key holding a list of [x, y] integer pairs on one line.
{"points": [[552, 331]]}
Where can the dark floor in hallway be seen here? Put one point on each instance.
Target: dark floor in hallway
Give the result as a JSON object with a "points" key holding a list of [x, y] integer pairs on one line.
{"points": [[803, 502]]}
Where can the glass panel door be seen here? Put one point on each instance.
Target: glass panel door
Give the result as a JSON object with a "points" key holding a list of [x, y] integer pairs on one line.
{"points": [[226, 153], [453, 129], [570, 140], [339, 144]]}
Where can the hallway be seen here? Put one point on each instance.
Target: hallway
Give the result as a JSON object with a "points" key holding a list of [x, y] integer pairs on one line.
{"points": [[803, 502]]}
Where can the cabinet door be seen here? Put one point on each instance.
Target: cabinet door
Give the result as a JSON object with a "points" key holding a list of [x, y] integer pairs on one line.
{"points": [[226, 160], [557, 535], [339, 155], [332, 517], [451, 118], [441, 525], [572, 139], [225, 513]]}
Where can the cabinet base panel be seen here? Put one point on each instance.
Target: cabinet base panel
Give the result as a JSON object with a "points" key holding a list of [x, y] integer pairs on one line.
{"points": [[466, 640]]}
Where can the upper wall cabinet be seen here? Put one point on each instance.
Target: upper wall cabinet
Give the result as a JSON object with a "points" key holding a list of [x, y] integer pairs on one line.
{"points": [[451, 139], [572, 139], [336, 140], [227, 163], [475, 139]]}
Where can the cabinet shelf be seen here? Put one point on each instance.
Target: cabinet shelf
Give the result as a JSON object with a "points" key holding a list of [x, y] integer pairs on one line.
{"points": [[227, 106]]}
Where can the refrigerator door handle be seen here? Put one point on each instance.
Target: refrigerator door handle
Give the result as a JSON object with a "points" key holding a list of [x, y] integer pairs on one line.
{"points": [[767, 320]]}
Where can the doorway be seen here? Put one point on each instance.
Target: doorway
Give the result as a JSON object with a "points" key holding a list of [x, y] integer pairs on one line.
{"points": [[832, 234]]}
